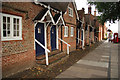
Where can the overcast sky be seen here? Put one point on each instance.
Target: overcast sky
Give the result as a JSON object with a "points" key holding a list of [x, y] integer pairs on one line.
{"points": [[83, 4]]}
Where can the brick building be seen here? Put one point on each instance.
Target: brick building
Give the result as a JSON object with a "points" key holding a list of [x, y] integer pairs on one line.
{"points": [[98, 30], [104, 33], [81, 29], [69, 30], [33, 31], [90, 27]]}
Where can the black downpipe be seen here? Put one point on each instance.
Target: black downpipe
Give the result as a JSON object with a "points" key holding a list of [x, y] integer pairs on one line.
{"points": [[61, 38]]}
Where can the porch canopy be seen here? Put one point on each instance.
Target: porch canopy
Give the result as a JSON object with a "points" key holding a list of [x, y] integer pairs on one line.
{"points": [[59, 19], [44, 16], [59, 6]]}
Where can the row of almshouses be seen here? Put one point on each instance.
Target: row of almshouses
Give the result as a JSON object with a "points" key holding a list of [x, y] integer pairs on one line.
{"points": [[33, 29]]}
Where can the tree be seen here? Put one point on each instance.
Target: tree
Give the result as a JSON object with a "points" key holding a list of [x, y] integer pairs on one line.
{"points": [[110, 11]]}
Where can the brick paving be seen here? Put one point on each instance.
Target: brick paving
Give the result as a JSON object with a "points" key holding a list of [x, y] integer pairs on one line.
{"points": [[100, 63]]}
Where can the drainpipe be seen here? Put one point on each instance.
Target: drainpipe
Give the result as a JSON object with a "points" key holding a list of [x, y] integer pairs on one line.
{"points": [[61, 38]]}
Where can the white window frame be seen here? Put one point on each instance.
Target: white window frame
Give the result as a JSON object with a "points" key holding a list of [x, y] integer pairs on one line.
{"points": [[72, 31], [70, 11], [66, 31], [11, 37]]}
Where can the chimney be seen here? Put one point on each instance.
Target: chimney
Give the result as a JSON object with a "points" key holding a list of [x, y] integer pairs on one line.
{"points": [[89, 10], [95, 12]]}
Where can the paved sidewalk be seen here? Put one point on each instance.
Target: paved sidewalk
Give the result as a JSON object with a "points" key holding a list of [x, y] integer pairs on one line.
{"points": [[100, 63]]}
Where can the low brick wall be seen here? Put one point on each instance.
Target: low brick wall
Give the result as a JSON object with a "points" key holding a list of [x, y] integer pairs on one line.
{"points": [[12, 64]]}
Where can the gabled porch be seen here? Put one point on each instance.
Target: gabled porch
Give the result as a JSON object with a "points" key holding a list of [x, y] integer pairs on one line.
{"points": [[46, 37]]}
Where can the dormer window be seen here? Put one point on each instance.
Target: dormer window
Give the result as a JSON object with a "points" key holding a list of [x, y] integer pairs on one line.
{"points": [[70, 11]]}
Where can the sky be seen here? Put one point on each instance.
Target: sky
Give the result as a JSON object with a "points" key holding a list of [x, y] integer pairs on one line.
{"points": [[83, 4]]}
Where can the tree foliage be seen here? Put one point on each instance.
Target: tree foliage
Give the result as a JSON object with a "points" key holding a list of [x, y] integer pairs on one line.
{"points": [[110, 10]]}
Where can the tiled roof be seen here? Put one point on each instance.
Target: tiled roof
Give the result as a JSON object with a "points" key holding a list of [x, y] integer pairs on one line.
{"points": [[81, 14], [61, 6], [56, 17], [87, 19], [40, 14]]}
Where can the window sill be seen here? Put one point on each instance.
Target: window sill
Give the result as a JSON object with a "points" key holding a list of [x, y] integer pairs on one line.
{"points": [[70, 15], [10, 39], [65, 36], [71, 36]]}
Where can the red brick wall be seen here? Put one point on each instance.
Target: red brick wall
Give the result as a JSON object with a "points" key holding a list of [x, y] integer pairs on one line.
{"points": [[92, 36], [99, 37], [48, 38], [104, 32], [87, 36], [70, 40], [70, 22], [84, 32], [17, 62], [69, 19], [20, 54]]}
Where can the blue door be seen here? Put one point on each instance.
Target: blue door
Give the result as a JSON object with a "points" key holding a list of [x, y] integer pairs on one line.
{"points": [[77, 41], [82, 36], [39, 35], [53, 37]]}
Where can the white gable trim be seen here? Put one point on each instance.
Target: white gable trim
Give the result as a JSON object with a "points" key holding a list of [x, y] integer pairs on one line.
{"points": [[73, 1], [47, 13], [45, 6], [61, 19]]}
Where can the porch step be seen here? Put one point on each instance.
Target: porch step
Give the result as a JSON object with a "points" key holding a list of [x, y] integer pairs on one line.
{"points": [[53, 57], [79, 46], [41, 57]]}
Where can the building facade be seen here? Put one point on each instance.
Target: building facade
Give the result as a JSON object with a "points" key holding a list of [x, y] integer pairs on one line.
{"points": [[35, 30], [81, 29], [31, 33]]}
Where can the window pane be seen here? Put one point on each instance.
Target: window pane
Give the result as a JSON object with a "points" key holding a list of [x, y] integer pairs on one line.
{"points": [[17, 33], [4, 33], [8, 19], [14, 33], [4, 26], [8, 33], [17, 21], [71, 30], [4, 19], [14, 27], [65, 31], [14, 20], [8, 27], [11, 27], [17, 27], [69, 11]]}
